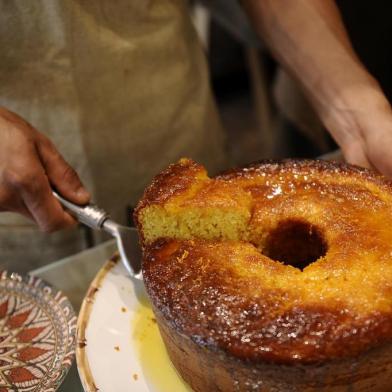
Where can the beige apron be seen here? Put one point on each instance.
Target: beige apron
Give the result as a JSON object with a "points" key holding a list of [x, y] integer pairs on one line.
{"points": [[121, 87]]}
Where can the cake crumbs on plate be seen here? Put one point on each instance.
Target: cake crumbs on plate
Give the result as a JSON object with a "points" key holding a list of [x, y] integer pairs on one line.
{"points": [[117, 348], [135, 376], [123, 309]]}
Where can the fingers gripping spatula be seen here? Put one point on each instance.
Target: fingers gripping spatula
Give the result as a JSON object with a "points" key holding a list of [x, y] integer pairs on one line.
{"points": [[126, 237]]}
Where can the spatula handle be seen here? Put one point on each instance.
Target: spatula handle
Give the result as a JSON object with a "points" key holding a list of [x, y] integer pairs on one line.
{"points": [[89, 214]]}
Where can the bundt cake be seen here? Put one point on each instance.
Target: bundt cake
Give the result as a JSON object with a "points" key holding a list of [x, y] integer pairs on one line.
{"points": [[274, 277]]}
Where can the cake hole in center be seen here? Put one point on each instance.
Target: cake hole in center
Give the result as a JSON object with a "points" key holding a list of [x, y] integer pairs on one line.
{"points": [[295, 242]]}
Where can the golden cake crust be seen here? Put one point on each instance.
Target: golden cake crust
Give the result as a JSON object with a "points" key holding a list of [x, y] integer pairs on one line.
{"points": [[175, 180], [192, 287], [232, 299], [178, 178]]}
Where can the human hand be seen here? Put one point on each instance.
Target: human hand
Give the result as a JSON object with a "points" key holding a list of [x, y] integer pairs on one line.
{"points": [[310, 40], [363, 129], [29, 165]]}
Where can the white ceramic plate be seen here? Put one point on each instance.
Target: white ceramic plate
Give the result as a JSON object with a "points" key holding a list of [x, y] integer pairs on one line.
{"points": [[118, 345]]}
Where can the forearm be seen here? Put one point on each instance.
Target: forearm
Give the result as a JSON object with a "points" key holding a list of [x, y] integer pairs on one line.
{"points": [[309, 39]]}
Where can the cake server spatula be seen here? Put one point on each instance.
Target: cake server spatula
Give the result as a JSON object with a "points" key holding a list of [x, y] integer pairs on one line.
{"points": [[98, 219]]}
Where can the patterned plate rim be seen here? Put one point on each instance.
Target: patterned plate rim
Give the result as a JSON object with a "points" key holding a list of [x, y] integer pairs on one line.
{"points": [[55, 379], [84, 369]]}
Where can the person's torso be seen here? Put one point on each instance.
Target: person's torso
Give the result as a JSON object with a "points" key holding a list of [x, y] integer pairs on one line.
{"points": [[120, 87]]}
